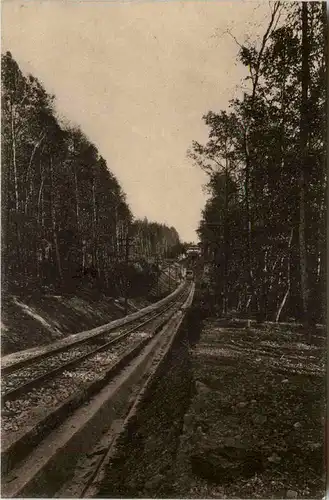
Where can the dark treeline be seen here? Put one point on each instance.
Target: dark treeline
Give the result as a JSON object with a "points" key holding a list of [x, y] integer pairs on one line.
{"points": [[153, 239], [263, 226], [65, 220]]}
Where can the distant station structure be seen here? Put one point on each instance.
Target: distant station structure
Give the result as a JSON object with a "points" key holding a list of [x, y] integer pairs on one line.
{"points": [[193, 251]]}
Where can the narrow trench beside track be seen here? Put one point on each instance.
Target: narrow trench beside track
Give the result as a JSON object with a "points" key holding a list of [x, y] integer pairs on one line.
{"points": [[41, 394]]}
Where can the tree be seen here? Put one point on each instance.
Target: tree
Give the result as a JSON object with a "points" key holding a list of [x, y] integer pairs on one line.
{"points": [[59, 193], [275, 156], [65, 217]]}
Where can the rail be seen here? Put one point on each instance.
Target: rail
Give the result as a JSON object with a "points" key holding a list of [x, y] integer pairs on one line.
{"points": [[17, 360]]}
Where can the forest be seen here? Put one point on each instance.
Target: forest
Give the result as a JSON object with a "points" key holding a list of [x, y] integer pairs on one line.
{"points": [[263, 226], [66, 223]]}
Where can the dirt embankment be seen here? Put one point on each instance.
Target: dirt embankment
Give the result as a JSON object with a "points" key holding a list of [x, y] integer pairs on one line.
{"points": [[255, 427], [33, 320]]}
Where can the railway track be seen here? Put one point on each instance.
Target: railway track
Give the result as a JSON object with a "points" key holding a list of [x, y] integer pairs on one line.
{"points": [[20, 378], [41, 393]]}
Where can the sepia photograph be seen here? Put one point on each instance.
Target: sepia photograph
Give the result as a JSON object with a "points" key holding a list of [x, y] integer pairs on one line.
{"points": [[163, 249]]}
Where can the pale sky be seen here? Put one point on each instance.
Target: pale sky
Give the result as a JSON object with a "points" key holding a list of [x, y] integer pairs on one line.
{"points": [[137, 78]]}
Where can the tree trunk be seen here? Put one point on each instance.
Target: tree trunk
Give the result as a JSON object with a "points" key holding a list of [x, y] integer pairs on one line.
{"points": [[304, 133], [248, 154], [226, 240], [16, 189], [53, 222], [284, 300], [77, 215], [117, 233], [262, 302], [95, 242], [323, 258], [248, 221], [27, 176], [14, 160], [127, 246], [39, 199]]}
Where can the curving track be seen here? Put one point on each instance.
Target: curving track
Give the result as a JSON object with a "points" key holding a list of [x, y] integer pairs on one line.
{"points": [[23, 376], [40, 393]]}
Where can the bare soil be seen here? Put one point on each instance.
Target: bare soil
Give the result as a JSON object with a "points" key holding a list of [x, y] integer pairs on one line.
{"points": [[34, 321], [255, 426], [38, 319]]}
